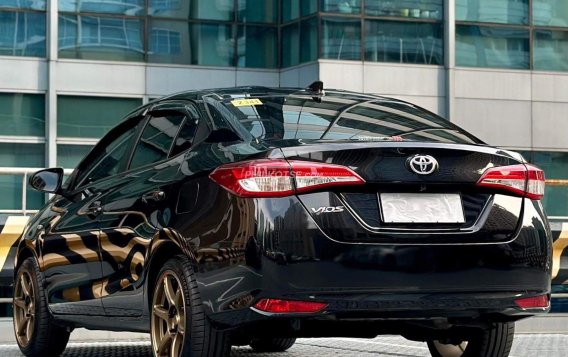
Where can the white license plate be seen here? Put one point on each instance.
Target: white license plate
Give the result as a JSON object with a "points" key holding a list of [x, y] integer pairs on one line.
{"points": [[421, 208]]}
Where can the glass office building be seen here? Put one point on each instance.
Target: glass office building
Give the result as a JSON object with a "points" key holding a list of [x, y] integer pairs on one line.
{"points": [[70, 69]]}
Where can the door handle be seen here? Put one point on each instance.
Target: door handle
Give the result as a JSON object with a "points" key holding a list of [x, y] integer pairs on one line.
{"points": [[94, 209], [154, 196]]}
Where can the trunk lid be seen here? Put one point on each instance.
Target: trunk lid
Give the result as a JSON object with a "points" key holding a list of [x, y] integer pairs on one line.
{"points": [[359, 214]]}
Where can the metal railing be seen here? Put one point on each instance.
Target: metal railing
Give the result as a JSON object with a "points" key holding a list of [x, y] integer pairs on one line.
{"points": [[24, 172]]}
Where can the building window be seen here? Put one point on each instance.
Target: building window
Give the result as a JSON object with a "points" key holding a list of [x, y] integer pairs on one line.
{"points": [[496, 47], [341, 38], [410, 9], [164, 41], [555, 166], [309, 40], [404, 42], [208, 44], [22, 114], [550, 13], [69, 156], [221, 10], [123, 7], [290, 45], [550, 51], [23, 28], [212, 44], [101, 38], [257, 47], [82, 117], [493, 11], [483, 41], [19, 155], [169, 42], [290, 10], [308, 7], [341, 6], [265, 11], [176, 9]]}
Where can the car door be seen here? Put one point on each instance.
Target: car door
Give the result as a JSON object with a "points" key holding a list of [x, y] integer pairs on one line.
{"points": [[135, 209], [68, 228]]}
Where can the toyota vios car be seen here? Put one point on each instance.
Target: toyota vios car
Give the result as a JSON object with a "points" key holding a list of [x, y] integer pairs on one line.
{"points": [[254, 216]]}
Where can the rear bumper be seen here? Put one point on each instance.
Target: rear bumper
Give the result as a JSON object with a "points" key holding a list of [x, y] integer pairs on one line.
{"points": [[291, 258], [415, 316]]}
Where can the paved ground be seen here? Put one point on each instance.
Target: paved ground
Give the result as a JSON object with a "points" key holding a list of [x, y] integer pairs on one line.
{"points": [[526, 345], [545, 336]]}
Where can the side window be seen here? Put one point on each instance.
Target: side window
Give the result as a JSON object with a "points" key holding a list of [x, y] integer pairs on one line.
{"points": [[108, 160], [156, 139], [184, 140]]}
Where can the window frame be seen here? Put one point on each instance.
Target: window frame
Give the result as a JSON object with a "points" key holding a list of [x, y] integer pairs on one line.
{"points": [[133, 121], [173, 107]]}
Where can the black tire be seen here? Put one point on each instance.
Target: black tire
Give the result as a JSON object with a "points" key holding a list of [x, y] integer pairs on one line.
{"points": [[272, 344], [493, 342], [201, 338], [47, 338]]}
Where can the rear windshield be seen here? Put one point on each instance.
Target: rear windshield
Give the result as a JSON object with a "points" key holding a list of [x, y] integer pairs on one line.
{"points": [[340, 117]]}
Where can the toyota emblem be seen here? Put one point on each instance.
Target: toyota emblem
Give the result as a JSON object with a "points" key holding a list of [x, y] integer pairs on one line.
{"points": [[422, 164]]}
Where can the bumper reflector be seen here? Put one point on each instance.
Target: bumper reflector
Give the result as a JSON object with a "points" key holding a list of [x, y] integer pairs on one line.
{"points": [[534, 302], [278, 306]]}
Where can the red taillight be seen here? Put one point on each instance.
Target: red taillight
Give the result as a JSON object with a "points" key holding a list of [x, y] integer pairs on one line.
{"points": [[279, 178], [277, 306], [534, 302], [526, 180]]}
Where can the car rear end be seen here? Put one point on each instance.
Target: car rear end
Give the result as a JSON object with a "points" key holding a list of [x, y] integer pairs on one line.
{"points": [[390, 220]]}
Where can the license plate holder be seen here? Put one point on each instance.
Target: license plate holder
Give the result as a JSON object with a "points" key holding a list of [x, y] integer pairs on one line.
{"points": [[421, 208]]}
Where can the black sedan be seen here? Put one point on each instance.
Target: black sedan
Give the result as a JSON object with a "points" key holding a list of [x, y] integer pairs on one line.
{"points": [[254, 216]]}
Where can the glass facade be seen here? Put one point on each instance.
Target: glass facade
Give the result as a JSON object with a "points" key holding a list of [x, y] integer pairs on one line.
{"points": [[341, 6], [341, 38], [535, 35], [69, 156], [409, 31], [82, 117], [22, 114], [550, 13], [19, 155], [493, 11], [101, 38], [496, 47], [200, 32], [412, 9], [404, 42], [550, 50], [510, 34], [257, 47], [23, 28], [555, 166]]}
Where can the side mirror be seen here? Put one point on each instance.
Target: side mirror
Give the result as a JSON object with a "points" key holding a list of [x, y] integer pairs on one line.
{"points": [[48, 180]]}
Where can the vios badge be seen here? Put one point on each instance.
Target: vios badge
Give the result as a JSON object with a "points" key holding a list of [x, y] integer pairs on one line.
{"points": [[422, 164], [332, 209]]}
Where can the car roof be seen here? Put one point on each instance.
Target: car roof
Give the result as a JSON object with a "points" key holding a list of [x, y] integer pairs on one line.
{"points": [[259, 91]]}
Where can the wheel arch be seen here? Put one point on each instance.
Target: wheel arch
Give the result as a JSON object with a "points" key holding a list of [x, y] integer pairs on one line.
{"points": [[165, 245], [24, 251]]}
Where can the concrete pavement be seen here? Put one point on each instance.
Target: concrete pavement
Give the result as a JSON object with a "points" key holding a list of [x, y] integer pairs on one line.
{"points": [[537, 337]]}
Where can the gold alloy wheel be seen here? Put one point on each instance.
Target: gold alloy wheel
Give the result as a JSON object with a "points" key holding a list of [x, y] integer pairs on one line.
{"points": [[24, 308], [168, 316], [449, 350]]}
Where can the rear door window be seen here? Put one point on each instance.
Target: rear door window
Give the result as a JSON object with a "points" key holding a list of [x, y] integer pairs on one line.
{"points": [[185, 137], [157, 139]]}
